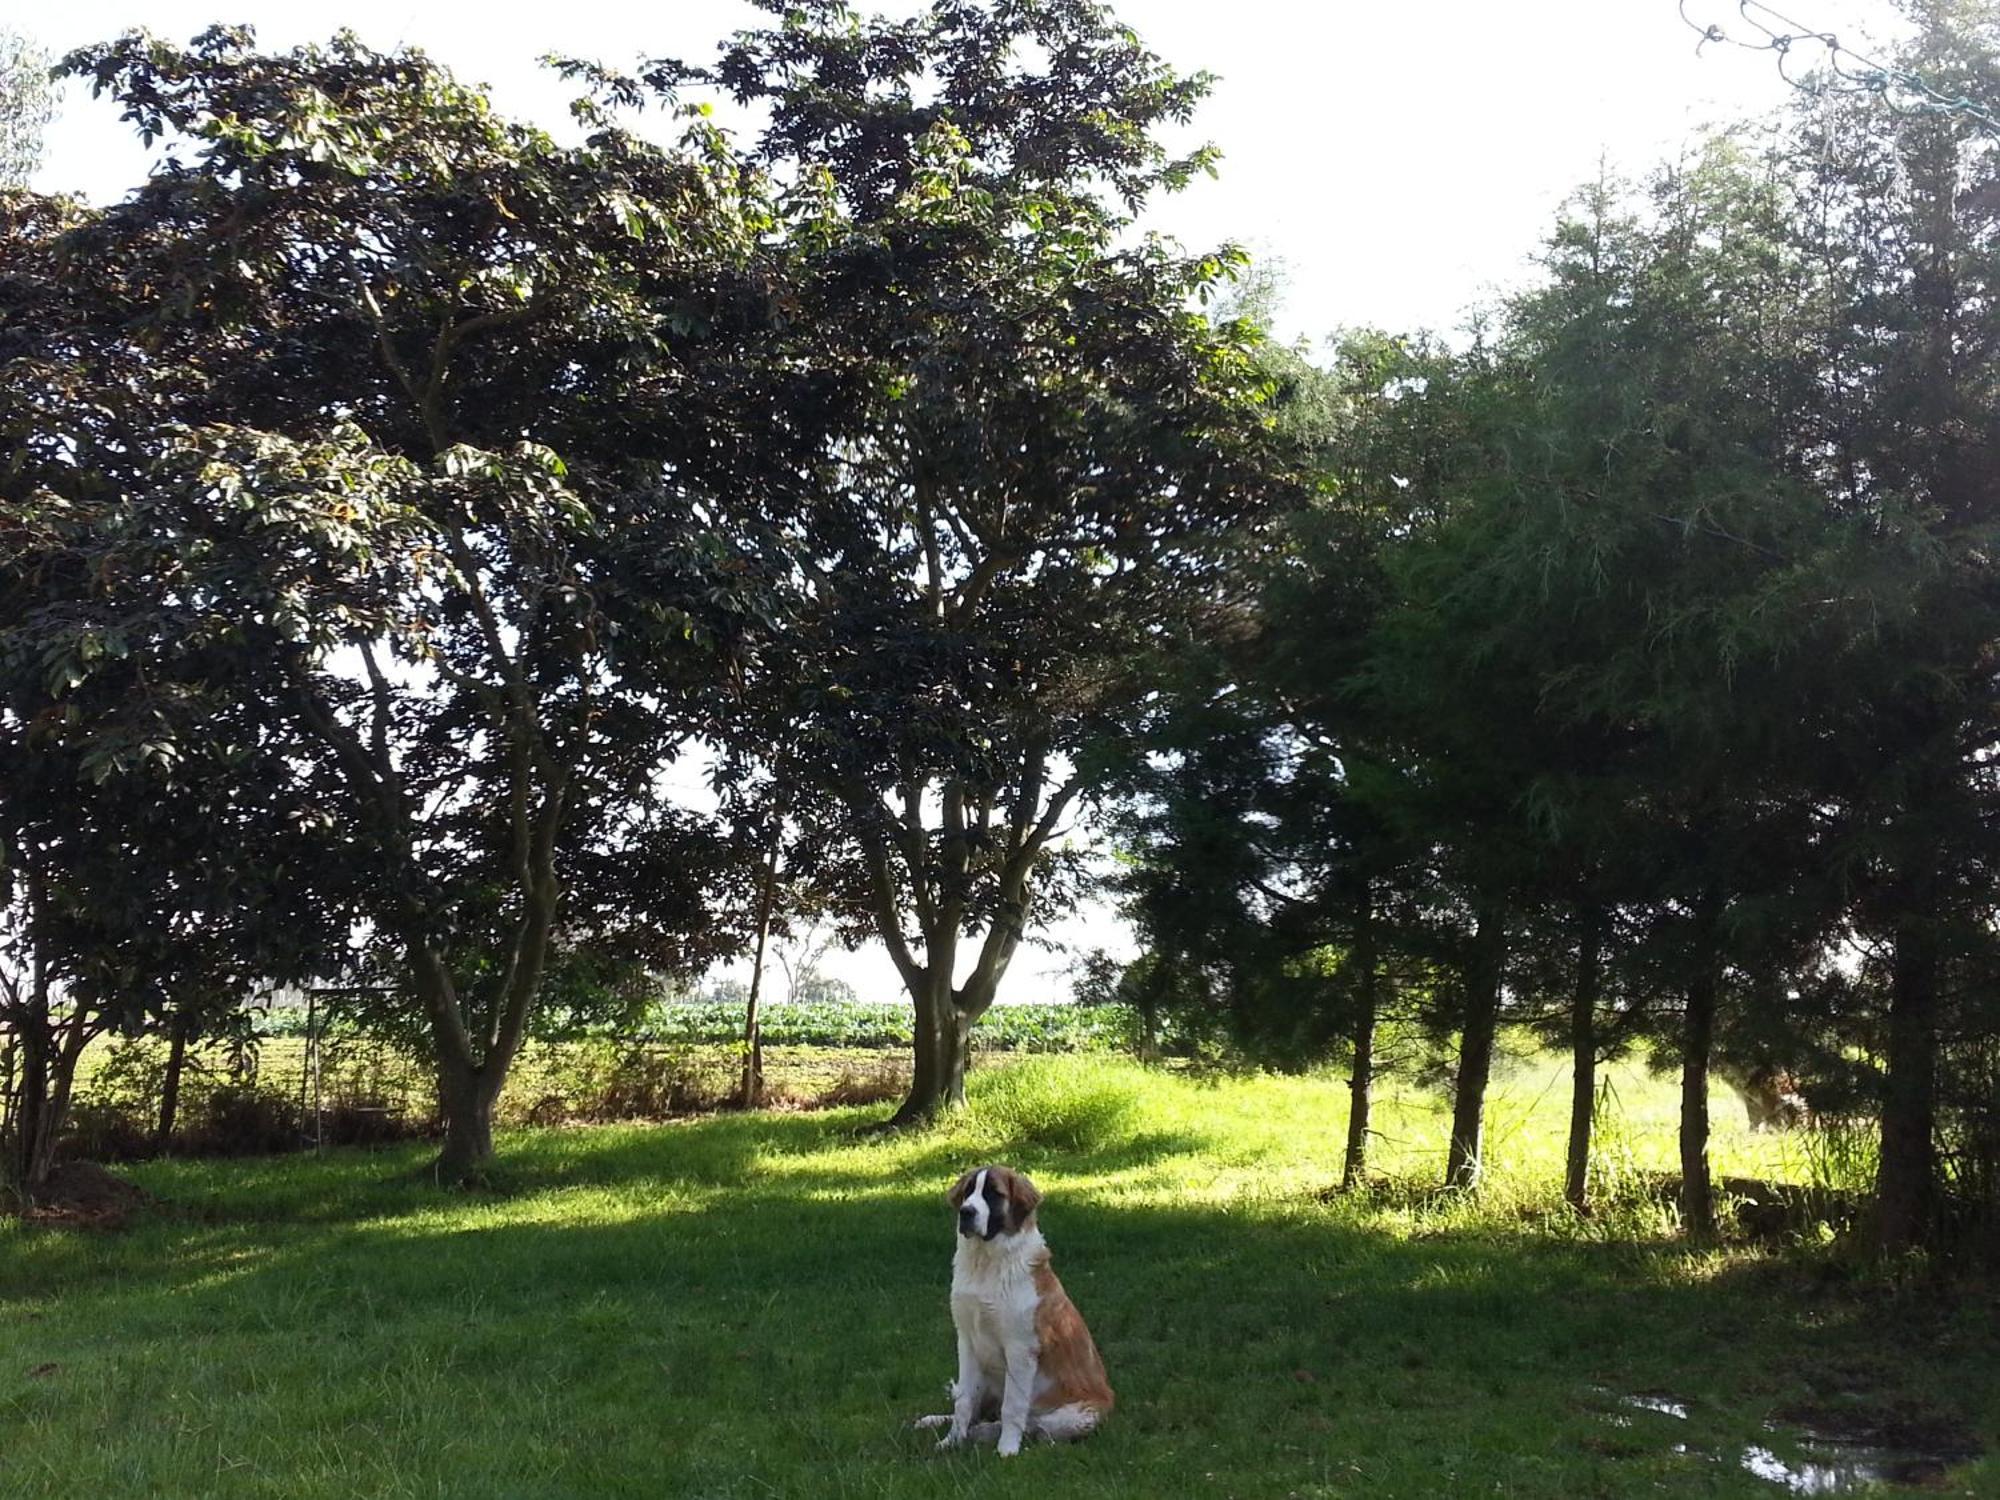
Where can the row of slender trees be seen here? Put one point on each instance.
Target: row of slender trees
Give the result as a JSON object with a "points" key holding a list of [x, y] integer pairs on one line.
{"points": [[1635, 678]]}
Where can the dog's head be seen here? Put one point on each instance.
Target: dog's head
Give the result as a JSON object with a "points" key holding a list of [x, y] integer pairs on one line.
{"points": [[992, 1201]]}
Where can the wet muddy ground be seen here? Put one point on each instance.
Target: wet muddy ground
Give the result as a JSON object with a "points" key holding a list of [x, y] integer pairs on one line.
{"points": [[1820, 1452]]}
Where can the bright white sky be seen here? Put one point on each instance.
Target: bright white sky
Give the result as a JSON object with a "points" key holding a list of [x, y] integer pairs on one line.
{"points": [[1401, 159]]}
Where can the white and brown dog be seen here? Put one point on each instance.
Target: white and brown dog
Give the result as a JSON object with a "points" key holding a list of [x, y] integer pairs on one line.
{"points": [[1026, 1364]]}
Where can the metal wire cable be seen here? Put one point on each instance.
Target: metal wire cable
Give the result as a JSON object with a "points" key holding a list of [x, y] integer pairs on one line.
{"points": [[1847, 69]]}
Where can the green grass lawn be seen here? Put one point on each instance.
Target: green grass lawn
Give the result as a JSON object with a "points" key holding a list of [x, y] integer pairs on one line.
{"points": [[755, 1306]]}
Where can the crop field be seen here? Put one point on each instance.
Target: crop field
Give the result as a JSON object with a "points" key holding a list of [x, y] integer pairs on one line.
{"points": [[754, 1305], [1036, 1026]]}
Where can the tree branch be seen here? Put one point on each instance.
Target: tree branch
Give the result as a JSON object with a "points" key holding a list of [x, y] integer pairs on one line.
{"points": [[888, 920]]}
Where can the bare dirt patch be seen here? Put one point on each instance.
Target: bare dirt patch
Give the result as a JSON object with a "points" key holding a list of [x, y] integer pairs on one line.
{"points": [[83, 1193]]}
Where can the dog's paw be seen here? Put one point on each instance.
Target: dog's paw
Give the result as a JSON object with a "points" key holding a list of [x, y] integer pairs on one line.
{"points": [[1010, 1444], [936, 1419], [952, 1439]]}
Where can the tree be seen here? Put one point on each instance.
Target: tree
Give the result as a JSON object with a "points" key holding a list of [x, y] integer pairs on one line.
{"points": [[27, 103], [445, 445], [1053, 437], [1895, 210], [1529, 656], [142, 871], [1450, 725], [1636, 574], [131, 904], [133, 900], [1265, 884]]}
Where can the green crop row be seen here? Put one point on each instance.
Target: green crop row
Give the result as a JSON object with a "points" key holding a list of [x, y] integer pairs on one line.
{"points": [[1051, 1027]]}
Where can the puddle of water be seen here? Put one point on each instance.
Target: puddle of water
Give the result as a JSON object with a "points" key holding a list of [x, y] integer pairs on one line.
{"points": [[1664, 1405], [1829, 1470], [1802, 1477], [1828, 1462]]}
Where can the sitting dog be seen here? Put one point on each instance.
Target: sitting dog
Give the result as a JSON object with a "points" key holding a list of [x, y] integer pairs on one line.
{"points": [[1026, 1364]]}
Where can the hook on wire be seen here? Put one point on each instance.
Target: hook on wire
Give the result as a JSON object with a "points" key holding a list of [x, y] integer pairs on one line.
{"points": [[1709, 33]]}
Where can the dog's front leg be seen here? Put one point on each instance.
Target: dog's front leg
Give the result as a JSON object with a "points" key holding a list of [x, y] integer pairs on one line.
{"points": [[965, 1394], [1022, 1366]]}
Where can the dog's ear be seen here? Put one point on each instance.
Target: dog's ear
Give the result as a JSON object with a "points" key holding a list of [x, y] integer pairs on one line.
{"points": [[1022, 1197], [956, 1197]]}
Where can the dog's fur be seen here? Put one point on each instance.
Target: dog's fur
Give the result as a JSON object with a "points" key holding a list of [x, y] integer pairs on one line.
{"points": [[1026, 1364]]}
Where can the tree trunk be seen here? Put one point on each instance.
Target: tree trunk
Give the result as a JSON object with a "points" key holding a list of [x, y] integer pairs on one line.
{"points": [[945, 1015], [466, 1095], [48, 1069], [34, 1127], [1906, 1182], [1697, 1045], [1583, 1058], [752, 1089], [170, 1084], [1480, 1026], [10, 1075], [33, 1143], [943, 1036], [1149, 1031], [1361, 1081], [48, 1077], [472, 1071]]}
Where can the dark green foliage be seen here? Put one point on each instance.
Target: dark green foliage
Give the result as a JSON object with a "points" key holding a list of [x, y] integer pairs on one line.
{"points": [[384, 442], [1632, 673]]}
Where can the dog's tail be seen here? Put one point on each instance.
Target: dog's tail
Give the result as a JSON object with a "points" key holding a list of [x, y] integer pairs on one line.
{"points": [[1063, 1424]]}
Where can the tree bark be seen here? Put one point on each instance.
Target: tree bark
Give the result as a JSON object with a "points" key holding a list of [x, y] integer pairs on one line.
{"points": [[1583, 1057], [751, 1092], [31, 1156], [466, 1096], [940, 896], [467, 1084], [946, 1014], [49, 1055], [943, 1036], [170, 1084], [472, 1072], [1478, 1030], [49, 1058], [1906, 1181], [1361, 1080], [1697, 1046], [1149, 1031]]}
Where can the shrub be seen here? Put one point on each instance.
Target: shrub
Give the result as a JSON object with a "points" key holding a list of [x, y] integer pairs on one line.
{"points": [[243, 1119], [106, 1130], [604, 1080], [882, 1081], [1043, 1104]]}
